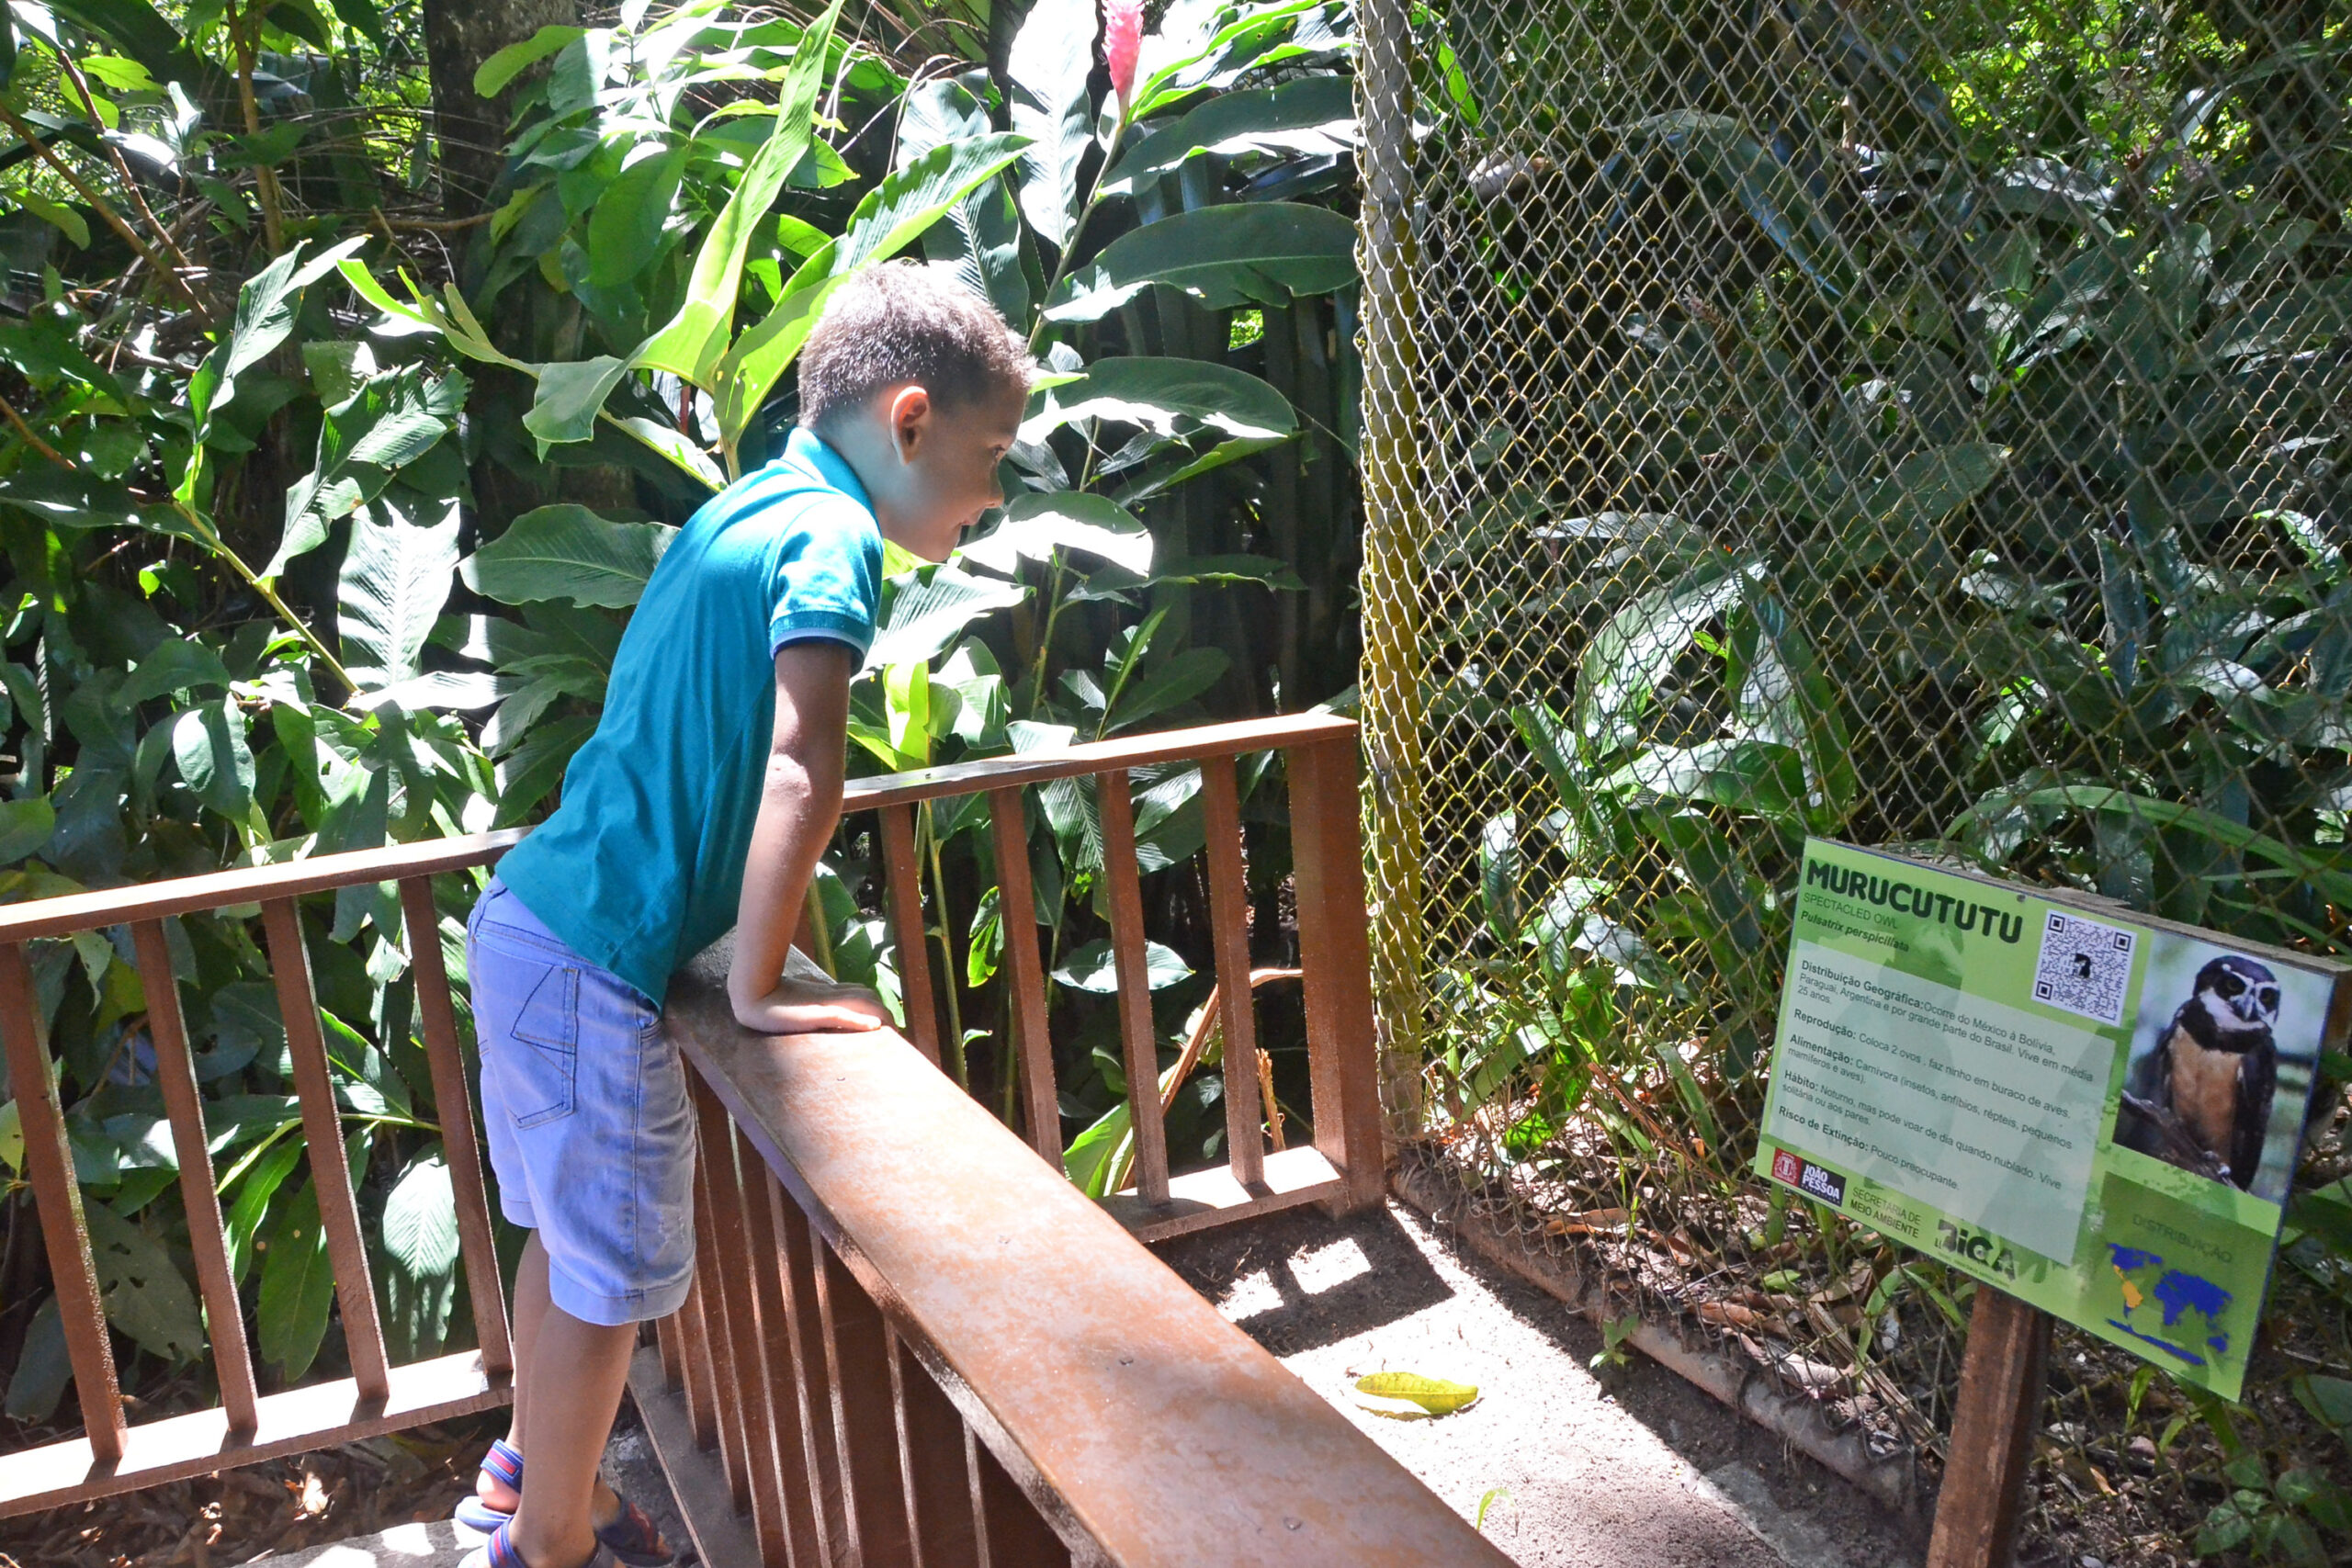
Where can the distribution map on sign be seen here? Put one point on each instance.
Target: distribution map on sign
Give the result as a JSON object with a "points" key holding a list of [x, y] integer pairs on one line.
{"points": [[2096, 1111]]}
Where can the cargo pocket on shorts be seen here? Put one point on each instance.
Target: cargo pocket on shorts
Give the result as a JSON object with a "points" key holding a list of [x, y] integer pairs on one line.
{"points": [[540, 1071]]}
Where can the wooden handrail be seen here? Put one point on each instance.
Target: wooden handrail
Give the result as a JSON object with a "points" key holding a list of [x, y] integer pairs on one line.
{"points": [[1206, 741], [395, 862], [249, 885], [1141, 1428]]}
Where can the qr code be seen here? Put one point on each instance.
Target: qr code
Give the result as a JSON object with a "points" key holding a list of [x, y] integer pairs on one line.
{"points": [[2085, 966]]}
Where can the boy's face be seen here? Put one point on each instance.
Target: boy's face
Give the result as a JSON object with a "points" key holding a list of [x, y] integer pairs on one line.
{"points": [[931, 468]]}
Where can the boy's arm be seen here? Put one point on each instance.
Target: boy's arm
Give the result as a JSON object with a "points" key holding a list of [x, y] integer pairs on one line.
{"points": [[800, 801]]}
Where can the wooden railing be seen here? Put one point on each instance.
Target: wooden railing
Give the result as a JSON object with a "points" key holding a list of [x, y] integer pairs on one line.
{"points": [[795, 1334], [1343, 1165], [112, 1456], [910, 1343]]}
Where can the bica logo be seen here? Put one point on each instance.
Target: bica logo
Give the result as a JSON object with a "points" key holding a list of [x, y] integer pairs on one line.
{"points": [[1985, 1250], [1786, 1167]]}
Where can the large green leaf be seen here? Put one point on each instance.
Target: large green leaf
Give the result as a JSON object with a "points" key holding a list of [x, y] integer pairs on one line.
{"points": [[209, 745], [1157, 393], [624, 227], [566, 551], [893, 216], [396, 577], [980, 236], [491, 76], [927, 610], [144, 1295], [570, 397], [420, 1238], [267, 306], [1091, 967], [1038, 523], [1719, 149], [1310, 116], [137, 27], [1227, 258], [1051, 58], [690, 344], [297, 1286], [1631, 653]]}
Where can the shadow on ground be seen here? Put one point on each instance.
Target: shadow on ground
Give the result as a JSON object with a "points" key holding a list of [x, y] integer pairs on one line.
{"points": [[1632, 1467]]}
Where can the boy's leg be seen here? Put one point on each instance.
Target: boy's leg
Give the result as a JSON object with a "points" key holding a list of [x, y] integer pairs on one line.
{"points": [[574, 1378], [530, 1309]]}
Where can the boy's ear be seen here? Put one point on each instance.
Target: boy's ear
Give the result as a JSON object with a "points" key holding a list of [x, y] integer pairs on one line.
{"points": [[909, 411]]}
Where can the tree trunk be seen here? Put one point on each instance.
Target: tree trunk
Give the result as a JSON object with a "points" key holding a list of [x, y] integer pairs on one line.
{"points": [[458, 36]]}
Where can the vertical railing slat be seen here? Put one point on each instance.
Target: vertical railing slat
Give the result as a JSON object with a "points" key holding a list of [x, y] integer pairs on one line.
{"points": [[354, 1287], [931, 1462], [905, 877], [224, 1318], [1014, 1534], [453, 1102], [857, 1353], [805, 1324], [1137, 1035], [797, 1481], [1229, 939], [694, 1361], [755, 1398], [1335, 959], [57, 1198], [1017, 916], [719, 1335]]}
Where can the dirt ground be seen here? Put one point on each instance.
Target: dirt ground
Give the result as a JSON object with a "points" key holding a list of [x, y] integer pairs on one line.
{"points": [[1634, 1468]]}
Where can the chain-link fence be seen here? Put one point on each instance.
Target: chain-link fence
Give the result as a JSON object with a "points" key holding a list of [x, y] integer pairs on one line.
{"points": [[1917, 424]]}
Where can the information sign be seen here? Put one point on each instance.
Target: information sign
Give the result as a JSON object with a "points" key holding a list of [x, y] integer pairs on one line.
{"points": [[2097, 1111]]}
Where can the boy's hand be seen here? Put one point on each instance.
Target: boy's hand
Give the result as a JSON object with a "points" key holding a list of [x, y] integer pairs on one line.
{"points": [[800, 1006]]}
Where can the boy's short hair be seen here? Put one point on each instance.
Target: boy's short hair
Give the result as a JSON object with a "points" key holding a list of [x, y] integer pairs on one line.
{"points": [[904, 322]]}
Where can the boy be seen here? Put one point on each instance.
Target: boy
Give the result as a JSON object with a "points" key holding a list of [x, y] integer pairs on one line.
{"points": [[703, 799]]}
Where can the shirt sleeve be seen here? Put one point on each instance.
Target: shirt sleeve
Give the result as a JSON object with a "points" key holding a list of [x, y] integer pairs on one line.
{"points": [[828, 579]]}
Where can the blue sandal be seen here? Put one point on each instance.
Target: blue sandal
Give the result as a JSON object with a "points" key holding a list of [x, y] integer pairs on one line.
{"points": [[503, 1463], [632, 1539], [499, 1551]]}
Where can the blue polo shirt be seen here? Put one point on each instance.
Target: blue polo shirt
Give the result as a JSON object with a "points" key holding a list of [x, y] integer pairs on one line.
{"points": [[642, 866]]}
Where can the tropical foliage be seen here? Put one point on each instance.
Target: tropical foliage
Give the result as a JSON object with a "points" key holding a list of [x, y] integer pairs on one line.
{"points": [[326, 494], [1939, 448]]}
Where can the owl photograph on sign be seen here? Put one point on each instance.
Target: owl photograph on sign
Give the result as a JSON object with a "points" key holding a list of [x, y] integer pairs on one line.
{"points": [[2223, 1056]]}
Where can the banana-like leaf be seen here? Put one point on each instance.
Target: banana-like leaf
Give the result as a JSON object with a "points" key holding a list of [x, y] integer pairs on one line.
{"points": [[142, 1290], [570, 397], [1225, 257], [566, 551], [137, 27], [893, 216], [297, 1286], [1158, 392], [1310, 116], [396, 577], [1051, 58], [491, 76], [927, 610], [1038, 523], [981, 237], [209, 743], [624, 227], [1631, 653], [690, 345]]}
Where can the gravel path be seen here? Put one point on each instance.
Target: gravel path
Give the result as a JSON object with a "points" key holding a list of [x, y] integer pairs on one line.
{"points": [[1640, 1471]]}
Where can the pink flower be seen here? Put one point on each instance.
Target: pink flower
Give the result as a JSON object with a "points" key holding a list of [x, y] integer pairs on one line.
{"points": [[1122, 43]]}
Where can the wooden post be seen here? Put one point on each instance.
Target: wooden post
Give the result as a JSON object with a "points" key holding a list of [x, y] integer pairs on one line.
{"points": [[1992, 1434]]}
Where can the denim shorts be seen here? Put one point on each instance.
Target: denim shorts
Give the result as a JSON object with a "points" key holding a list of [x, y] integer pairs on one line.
{"points": [[591, 1130]]}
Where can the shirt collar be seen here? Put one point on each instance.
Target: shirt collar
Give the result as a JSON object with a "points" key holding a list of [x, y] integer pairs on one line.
{"points": [[805, 449]]}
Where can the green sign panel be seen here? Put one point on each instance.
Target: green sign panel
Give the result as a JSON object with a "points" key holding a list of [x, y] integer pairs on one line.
{"points": [[2096, 1111]]}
